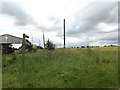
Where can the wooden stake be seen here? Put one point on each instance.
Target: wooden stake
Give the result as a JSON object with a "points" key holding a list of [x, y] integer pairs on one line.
{"points": [[64, 33]]}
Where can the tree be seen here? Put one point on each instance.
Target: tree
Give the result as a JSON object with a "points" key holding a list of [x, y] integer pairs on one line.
{"points": [[88, 46], [49, 45], [82, 46]]}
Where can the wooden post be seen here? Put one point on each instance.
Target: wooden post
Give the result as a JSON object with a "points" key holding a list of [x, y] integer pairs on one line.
{"points": [[64, 33], [23, 52]]}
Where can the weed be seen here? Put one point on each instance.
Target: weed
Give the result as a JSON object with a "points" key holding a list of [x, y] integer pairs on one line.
{"points": [[63, 68]]}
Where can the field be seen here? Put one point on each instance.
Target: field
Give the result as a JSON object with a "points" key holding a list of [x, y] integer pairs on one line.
{"points": [[63, 68]]}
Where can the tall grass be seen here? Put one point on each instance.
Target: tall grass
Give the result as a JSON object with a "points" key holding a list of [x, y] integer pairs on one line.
{"points": [[63, 68]]}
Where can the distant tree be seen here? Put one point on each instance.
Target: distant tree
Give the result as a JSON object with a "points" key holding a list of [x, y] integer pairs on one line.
{"points": [[104, 45], [87, 46], [111, 45], [82, 46], [49, 45]]}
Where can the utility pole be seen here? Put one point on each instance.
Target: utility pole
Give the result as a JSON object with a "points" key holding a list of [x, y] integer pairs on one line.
{"points": [[43, 40], [64, 33], [23, 52]]}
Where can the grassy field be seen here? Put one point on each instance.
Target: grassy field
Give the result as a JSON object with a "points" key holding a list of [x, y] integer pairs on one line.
{"points": [[63, 68]]}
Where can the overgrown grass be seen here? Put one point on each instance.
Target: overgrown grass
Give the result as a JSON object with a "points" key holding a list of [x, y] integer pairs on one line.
{"points": [[63, 68]]}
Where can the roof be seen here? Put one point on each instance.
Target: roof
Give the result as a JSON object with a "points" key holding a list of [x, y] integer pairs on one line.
{"points": [[6, 38]]}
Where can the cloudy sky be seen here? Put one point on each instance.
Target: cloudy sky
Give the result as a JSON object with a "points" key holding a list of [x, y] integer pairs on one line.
{"points": [[88, 22]]}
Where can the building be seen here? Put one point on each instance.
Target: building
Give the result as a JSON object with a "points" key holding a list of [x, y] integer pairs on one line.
{"points": [[7, 40]]}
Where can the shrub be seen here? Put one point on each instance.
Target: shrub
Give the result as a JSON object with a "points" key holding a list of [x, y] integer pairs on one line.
{"points": [[49, 45]]}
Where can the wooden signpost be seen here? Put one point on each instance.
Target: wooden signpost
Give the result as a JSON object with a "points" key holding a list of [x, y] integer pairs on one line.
{"points": [[23, 51]]}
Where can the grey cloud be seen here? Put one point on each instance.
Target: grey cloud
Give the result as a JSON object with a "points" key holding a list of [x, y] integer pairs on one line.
{"points": [[13, 9], [48, 29], [113, 36], [56, 26], [87, 21], [104, 32], [55, 20], [103, 38], [90, 17]]}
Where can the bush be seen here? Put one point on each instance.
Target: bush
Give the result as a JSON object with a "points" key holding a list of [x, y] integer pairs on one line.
{"points": [[49, 45]]}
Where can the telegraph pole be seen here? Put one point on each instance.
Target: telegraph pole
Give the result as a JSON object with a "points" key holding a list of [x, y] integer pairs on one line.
{"points": [[64, 33]]}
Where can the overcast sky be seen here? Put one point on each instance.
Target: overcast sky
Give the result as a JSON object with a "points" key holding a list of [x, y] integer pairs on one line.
{"points": [[88, 22]]}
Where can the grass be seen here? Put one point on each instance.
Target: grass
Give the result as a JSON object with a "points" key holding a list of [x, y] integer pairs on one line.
{"points": [[63, 68]]}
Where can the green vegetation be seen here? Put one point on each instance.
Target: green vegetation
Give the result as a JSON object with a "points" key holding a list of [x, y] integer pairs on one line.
{"points": [[63, 68], [49, 45]]}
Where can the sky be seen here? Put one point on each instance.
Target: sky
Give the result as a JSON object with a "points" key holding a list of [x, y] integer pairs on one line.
{"points": [[88, 22]]}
